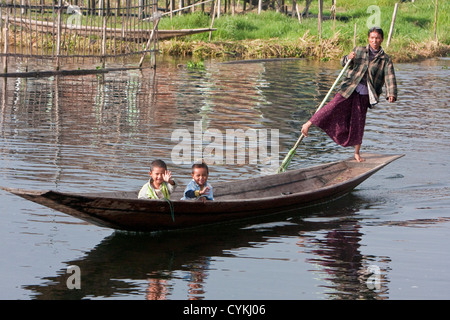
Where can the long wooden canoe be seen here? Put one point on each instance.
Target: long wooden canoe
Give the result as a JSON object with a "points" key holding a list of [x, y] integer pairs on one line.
{"points": [[233, 200]]}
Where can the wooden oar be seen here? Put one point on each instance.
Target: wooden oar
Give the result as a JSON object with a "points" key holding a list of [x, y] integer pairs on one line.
{"points": [[291, 153]]}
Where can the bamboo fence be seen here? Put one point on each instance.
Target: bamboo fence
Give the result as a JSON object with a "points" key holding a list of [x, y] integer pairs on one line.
{"points": [[102, 29], [57, 29]]}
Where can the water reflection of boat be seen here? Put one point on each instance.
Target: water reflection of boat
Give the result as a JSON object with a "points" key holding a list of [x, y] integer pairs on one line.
{"points": [[177, 265], [234, 200]]}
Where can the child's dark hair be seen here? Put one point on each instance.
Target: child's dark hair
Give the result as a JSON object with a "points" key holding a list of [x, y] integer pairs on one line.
{"points": [[158, 164], [377, 30], [200, 165]]}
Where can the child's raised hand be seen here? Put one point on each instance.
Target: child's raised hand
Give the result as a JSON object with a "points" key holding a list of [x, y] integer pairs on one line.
{"points": [[204, 191], [167, 176]]}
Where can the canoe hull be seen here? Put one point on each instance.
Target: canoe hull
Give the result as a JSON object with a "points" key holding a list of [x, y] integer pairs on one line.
{"points": [[126, 212]]}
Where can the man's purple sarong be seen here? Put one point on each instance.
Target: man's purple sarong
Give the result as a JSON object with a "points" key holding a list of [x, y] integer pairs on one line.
{"points": [[343, 119]]}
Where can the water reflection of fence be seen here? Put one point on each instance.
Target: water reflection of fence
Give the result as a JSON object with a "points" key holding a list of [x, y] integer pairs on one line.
{"points": [[58, 29]]}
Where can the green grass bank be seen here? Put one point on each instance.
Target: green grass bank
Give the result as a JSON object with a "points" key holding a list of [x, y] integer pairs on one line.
{"points": [[417, 34]]}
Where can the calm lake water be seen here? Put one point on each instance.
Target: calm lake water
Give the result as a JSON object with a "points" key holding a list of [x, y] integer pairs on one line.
{"points": [[386, 240]]}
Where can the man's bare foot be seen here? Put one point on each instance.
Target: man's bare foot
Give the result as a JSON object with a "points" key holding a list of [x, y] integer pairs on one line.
{"points": [[305, 128], [358, 158]]}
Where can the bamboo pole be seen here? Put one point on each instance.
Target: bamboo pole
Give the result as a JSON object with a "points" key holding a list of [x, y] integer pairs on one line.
{"points": [[89, 44], [68, 35], [4, 100], [133, 26], [141, 25], [155, 28], [5, 48], [148, 45], [1, 26], [21, 12], [333, 13], [212, 20], [181, 9], [218, 8], [298, 13], [53, 29], [36, 30], [320, 19], [391, 30], [63, 34], [42, 35], [58, 36], [140, 9], [85, 37], [435, 21], [28, 43], [114, 34], [123, 30], [13, 11], [291, 152], [104, 41]]}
